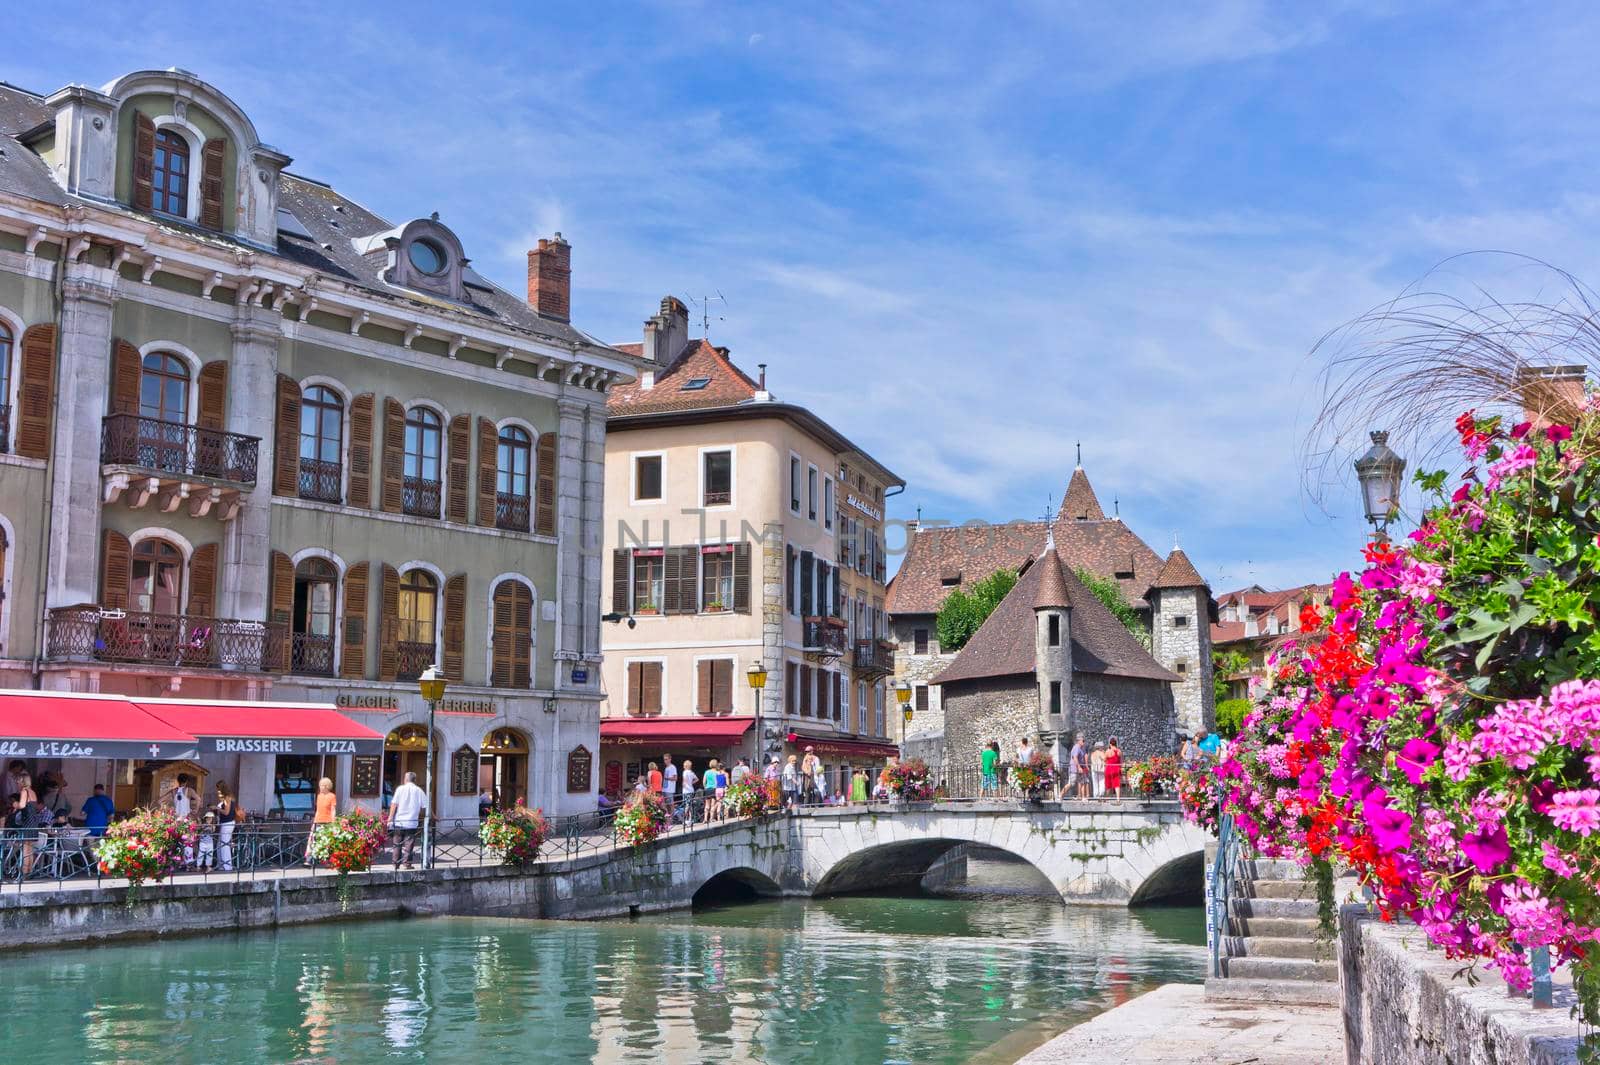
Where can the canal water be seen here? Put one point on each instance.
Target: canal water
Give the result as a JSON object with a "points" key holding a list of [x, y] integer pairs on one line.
{"points": [[974, 979]]}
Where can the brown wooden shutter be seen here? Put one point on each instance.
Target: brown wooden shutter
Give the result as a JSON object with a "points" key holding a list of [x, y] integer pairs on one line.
{"points": [[36, 389], [791, 685], [280, 590], [703, 683], [805, 691], [620, 581], [353, 662], [922, 698], [286, 472], [213, 380], [125, 370], [635, 687], [788, 577], [203, 581], [546, 458], [211, 160], [721, 686], [688, 578], [513, 634], [671, 600], [459, 471], [116, 559], [488, 469], [455, 626], [838, 696], [389, 619], [651, 696], [394, 456], [144, 161], [361, 451], [741, 577]]}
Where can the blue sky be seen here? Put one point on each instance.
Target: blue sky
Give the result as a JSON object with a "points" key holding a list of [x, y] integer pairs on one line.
{"points": [[967, 234]]}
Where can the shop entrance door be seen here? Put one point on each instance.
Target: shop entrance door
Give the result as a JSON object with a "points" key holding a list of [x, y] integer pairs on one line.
{"points": [[405, 750]]}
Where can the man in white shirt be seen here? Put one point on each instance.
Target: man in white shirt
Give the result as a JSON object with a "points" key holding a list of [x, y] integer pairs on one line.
{"points": [[405, 817], [741, 770], [669, 782], [691, 781]]}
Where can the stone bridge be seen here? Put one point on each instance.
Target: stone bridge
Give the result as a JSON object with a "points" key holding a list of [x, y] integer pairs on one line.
{"points": [[1118, 853]]}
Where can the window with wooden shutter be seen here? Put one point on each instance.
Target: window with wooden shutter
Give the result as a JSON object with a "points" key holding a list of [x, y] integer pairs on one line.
{"points": [[459, 471], [545, 483], [702, 685], [681, 590], [286, 445], [394, 456], [353, 662], [791, 685], [922, 698], [621, 582], [203, 581], [280, 606], [805, 691], [488, 470], [808, 584], [125, 371], [788, 577], [36, 385], [389, 624], [671, 602], [721, 685], [919, 641], [455, 626], [513, 636], [116, 561], [645, 680], [741, 577], [144, 160], [213, 385], [360, 480], [211, 162]]}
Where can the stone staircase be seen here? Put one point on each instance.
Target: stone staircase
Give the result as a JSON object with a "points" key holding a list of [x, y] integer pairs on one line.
{"points": [[1271, 952]]}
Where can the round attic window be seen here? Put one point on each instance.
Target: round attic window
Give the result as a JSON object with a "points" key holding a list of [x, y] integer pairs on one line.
{"points": [[427, 256]]}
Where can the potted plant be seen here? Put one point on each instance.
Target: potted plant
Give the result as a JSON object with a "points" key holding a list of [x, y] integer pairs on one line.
{"points": [[649, 606], [514, 835], [145, 847], [909, 781], [1032, 778], [642, 818], [347, 845], [716, 606]]}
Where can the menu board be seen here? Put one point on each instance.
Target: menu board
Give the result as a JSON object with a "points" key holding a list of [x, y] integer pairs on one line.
{"points": [[464, 772], [364, 775], [580, 770]]}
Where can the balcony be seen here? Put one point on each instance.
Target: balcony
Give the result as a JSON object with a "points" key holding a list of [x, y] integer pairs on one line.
{"points": [[420, 497], [170, 464], [412, 659], [321, 481], [512, 512], [311, 655], [824, 636], [874, 658], [90, 633]]}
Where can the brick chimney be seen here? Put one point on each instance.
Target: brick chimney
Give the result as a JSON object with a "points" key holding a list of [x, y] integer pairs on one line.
{"points": [[550, 278], [666, 334], [1552, 394]]}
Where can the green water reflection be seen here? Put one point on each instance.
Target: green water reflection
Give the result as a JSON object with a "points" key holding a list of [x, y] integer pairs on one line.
{"points": [[841, 981]]}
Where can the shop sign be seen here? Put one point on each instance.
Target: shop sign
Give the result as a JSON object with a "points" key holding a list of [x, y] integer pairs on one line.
{"points": [[613, 777], [580, 770], [364, 775], [864, 507], [365, 701], [286, 745], [468, 706], [580, 675], [12, 748]]}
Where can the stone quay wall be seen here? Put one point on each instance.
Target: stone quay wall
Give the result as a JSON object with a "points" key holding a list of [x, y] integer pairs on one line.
{"points": [[1404, 1005]]}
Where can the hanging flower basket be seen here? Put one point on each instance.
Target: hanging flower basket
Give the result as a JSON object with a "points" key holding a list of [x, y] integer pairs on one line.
{"points": [[643, 817], [515, 835], [145, 848], [909, 780], [347, 845], [1032, 778]]}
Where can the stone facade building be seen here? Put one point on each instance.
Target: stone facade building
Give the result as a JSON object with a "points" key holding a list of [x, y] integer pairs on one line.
{"points": [[257, 442], [1052, 661], [740, 530], [941, 559]]}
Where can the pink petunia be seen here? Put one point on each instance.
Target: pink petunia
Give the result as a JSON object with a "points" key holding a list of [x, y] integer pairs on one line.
{"points": [[1577, 810]]}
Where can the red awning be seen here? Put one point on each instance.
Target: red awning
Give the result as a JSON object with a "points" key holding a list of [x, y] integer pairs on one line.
{"points": [[839, 745], [35, 724], [691, 731], [266, 728]]}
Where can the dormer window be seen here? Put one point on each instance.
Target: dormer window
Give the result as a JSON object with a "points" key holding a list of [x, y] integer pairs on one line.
{"points": [[169, 186], [423, 255], [695, 384], [428, 257]]}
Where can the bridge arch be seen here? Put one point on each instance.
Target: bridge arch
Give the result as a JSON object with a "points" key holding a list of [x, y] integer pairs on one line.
{"points": [[737, 884]]}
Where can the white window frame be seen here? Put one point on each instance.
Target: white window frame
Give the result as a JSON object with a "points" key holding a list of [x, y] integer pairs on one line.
{"points": [[168, 347], [338, 596], [733, 477], [796, 489], [626, 662], [197, 143], [344, 393], [633, 477], [733, 667], [438, 607], [811, 492]]}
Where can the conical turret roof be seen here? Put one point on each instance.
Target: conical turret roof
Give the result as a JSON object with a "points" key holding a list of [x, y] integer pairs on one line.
{"points": [[1052, 593], [1178, 572], [1080, 502]]}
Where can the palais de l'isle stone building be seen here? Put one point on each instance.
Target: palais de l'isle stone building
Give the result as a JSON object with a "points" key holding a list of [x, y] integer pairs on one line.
{"points": [[1001, 682]]}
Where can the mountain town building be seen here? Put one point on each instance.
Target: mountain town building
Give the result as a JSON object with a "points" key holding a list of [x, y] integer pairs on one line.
{"points": [[1250, 622]]}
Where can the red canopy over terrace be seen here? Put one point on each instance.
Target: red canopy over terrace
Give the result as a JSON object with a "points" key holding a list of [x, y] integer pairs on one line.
{"points": [[689, 731], [843, 746], [38, 724], [266, 728]]}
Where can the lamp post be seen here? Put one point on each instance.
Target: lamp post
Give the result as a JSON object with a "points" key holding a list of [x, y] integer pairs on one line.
{"points": [[431, 684], [1379, 472], [757, 676], [902, 694]]}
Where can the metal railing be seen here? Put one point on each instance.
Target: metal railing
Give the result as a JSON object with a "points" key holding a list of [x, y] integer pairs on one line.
{"points": [[91, 632], [718, 499], [875, 657], [311, 654], [419, 496], [824, 634], [1219, 892], [321, 481], [413, 658], [512, 512], [176, 448]]}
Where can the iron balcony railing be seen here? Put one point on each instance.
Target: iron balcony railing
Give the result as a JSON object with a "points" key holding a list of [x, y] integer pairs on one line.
{"points": [[320, 481], [311, 654], [825, 634], [92, 633], [178, 449], [413, 658], [875, 657], [420, 496], [512, 512]]}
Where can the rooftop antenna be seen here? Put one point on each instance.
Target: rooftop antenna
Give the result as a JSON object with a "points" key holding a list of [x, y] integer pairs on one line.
{"points": [[705, 312], [1174, 539]]}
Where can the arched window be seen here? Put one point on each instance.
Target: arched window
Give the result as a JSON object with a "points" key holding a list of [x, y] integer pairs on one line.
{"points": [[164, 388], [169, 192], [424, 431], [7, 345], [321, 437], [513, 636], [315, 581], [513, 485], [419, 606], [155, 579]]}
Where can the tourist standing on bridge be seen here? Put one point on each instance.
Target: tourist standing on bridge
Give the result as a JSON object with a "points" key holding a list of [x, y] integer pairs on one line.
{"points": [[1097, 770], [988, 779], [791, 783], [858, 787], [1074, 760], [1114, 768], [691, 800], [652, 780], [669, 783]]}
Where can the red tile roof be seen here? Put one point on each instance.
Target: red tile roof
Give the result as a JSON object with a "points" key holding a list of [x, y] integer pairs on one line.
{"points": [[1052, 583], [1179, 572], [726, 384], [1080, 503]]}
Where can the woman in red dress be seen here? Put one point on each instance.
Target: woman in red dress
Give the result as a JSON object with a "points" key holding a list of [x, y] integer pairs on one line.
{"points": [[1113, 768]]}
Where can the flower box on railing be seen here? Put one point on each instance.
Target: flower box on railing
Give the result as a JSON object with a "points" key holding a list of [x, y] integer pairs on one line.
{"points": [[824, 634]]}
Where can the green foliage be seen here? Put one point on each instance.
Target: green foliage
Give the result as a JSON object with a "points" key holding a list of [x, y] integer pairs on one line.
{"points": [[1109, 592], [1230, 715], [964, 611], [1225, 664]]}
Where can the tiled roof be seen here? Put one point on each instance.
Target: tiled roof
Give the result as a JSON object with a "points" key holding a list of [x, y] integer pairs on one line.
{"points": [[1003, 646], [1052, 583], [1227, 632], [21, 110], [1079, 503], [725, 386], [1179, 572]]}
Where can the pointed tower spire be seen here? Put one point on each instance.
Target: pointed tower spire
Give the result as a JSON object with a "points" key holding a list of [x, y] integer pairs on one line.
{"points": [[1080, 502]]}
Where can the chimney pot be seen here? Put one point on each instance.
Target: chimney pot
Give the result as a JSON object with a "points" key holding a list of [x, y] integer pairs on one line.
{"points": [[763, 368], [550, 279]]}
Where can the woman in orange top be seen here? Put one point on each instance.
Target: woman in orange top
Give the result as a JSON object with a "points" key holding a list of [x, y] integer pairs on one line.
{"points": [[653, 779], [326, 804]]}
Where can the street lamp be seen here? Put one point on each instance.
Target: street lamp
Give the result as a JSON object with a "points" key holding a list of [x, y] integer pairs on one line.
{"points": [[902, 693], [757, 676], [431, 685], [1379, 472]]}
